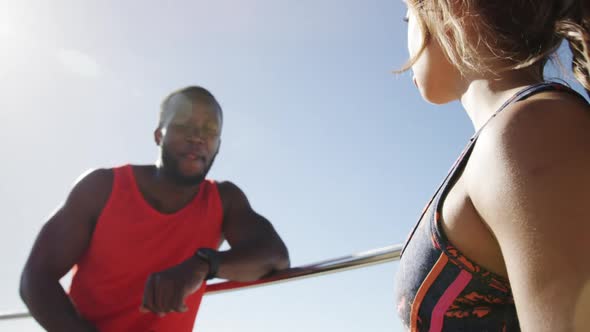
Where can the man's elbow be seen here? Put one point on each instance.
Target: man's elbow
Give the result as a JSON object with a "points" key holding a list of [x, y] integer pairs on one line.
{"points": [[283, 261], [32, 284], [282, 265], [25, 287], [276, 259], [280, 258]]}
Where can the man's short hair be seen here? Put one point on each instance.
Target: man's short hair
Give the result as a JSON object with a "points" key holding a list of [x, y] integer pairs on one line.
{"points": [[195, 94]]}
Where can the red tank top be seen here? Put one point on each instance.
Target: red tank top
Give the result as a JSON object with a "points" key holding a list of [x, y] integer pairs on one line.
{"points": [[131, 240]]}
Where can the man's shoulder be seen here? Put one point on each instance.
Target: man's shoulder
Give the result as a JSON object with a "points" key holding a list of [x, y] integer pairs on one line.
{"points": [[231, 195], [96, 183], [96, 177], [225, 187], [90, 193]]}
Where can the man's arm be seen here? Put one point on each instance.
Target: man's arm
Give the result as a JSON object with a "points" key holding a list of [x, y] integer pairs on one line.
{"points": [[256, 250], [62, 240], [255, 247], [535, 199]]}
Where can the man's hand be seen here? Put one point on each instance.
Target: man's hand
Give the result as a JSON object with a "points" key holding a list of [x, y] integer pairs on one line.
{"points": [[166, 291]]}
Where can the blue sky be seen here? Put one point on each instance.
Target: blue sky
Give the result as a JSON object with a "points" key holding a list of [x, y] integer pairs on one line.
{"points": [[336, 150]]}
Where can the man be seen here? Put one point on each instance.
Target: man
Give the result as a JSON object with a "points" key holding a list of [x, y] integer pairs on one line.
{"points": [[143, 239]]}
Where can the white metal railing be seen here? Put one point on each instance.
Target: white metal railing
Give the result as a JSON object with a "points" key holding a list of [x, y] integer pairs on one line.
{"points": [[354, 261]]}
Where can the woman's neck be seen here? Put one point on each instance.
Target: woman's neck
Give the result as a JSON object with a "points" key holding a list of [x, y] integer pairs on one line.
{"points": [[482, 97]]}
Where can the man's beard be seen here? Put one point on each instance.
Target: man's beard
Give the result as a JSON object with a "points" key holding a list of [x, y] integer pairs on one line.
{"points": [[172, 171]]}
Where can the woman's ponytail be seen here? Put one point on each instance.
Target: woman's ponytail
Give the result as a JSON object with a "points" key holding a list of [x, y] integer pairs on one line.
{"points": [[575, 28]]}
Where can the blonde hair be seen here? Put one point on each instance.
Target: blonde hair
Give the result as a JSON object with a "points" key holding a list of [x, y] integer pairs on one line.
{"points": [[493, 36]]}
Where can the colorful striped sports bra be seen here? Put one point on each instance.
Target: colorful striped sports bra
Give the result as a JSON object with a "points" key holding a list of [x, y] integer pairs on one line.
{"points": [[440, 289]]}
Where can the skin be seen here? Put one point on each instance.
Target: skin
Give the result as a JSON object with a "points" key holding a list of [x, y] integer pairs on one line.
{"points": [[518, 208], [189, 141]]}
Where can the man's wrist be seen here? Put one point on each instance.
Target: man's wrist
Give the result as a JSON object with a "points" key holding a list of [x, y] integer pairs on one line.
{"points": [[211, 257], [197, 265]]}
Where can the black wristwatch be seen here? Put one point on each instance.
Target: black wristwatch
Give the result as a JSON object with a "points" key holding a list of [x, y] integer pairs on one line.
{"points": [[212, 257]]}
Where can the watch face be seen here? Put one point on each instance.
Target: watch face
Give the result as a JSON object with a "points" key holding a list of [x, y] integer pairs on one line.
{"points": [[209, 255], [205, 253]]}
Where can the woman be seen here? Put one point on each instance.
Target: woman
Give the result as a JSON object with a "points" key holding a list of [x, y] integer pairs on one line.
{"points": [[504, 244]]}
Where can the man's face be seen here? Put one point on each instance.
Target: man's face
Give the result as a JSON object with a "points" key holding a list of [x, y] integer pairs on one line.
{"points": [[189, 140]]}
